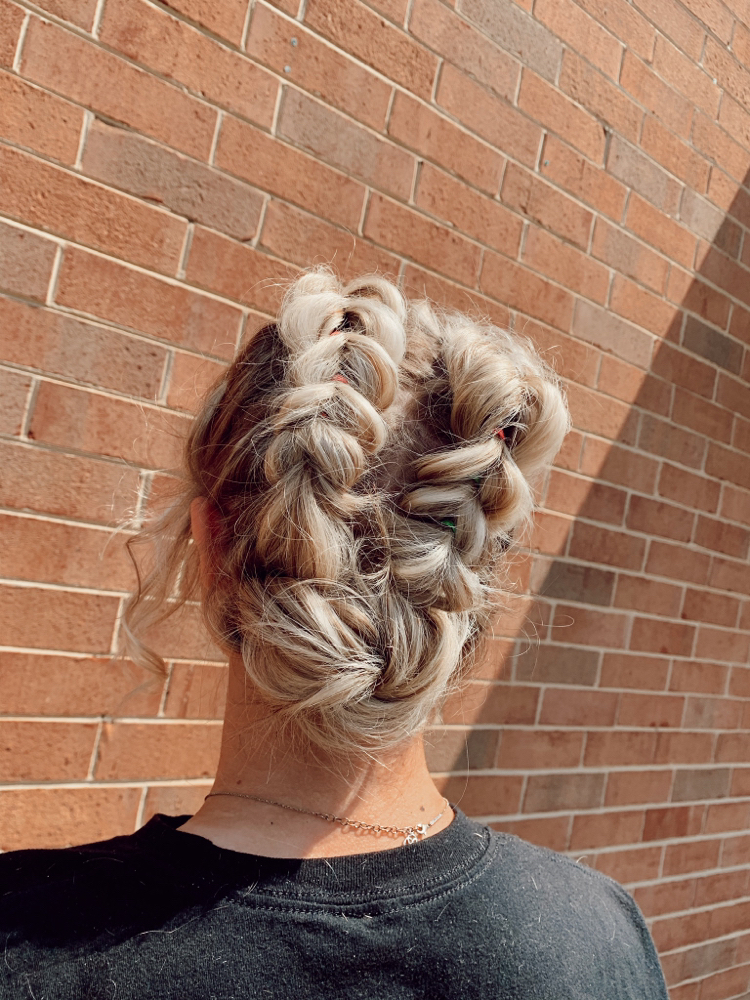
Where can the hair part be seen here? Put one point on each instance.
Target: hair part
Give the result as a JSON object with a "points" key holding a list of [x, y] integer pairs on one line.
{"points": [[368, 463]]}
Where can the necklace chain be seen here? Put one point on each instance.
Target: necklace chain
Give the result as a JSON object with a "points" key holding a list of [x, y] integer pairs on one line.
{"points": [[411, 834]]}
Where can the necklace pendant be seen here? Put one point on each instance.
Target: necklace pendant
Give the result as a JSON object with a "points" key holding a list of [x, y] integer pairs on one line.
{"points": [[411, 837]]}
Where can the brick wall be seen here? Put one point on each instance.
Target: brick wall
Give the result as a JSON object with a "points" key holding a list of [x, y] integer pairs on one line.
{"points": [[577, 170]]}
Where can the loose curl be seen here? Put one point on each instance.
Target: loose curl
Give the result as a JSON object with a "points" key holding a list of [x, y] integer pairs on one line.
{"points": [[367, 463]]}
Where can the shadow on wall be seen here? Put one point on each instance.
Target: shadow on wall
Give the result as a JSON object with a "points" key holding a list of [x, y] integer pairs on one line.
{"points": [[633, 514]]}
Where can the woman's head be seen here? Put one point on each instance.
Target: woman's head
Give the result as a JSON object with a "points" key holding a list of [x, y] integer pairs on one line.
{"points": [[363, 464]]}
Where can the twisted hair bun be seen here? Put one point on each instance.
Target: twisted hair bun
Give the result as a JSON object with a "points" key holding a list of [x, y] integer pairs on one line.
{"points": [[368, 464]]}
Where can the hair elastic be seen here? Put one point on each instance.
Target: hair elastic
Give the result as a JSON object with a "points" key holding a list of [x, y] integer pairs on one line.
{"points": [[340, 378], [449, 522], [499, 432]]}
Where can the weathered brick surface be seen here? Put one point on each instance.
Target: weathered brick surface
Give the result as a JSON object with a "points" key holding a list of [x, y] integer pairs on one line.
{"points": [[578, 170]]}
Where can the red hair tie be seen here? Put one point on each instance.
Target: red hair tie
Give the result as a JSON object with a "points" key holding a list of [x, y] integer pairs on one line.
{"points": [[340, 378], [499, 432]]}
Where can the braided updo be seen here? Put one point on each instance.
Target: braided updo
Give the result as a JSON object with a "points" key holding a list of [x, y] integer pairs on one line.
{"points": [[366, 463]]}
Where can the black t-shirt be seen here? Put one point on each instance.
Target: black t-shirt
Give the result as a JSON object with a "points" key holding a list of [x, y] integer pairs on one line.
{"points": [[467, 913]]}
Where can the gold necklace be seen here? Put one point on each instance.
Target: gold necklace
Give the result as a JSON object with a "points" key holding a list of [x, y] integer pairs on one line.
{"points": [[411, 834]]}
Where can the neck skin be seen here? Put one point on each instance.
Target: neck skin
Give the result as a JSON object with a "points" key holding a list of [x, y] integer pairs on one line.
{"points": [[256, 760], [397, 791]]}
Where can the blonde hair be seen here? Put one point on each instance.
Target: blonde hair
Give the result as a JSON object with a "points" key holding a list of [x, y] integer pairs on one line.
{"points": [[367, 462]]}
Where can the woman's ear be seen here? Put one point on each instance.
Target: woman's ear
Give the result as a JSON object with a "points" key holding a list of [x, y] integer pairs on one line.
{"points": [[202, 521]]}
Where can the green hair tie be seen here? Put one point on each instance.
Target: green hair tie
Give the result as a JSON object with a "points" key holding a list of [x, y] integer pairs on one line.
{"points": [[449, 522]]}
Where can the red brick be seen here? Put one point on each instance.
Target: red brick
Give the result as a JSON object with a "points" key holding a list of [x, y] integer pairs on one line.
{"points": [[59, 344], [633, 865], [631, 384], [679, 367], [608, 102], [730, 983], [739, 682], [680, 931], [631, 166], [78, 420], [582, 33], [606, 547], [724, 272], [410, 234], [14, 393], [703, 677], [276, 167], [730, 919], [619, 749], [459, 749], [526, 193], [626, 788], [226, 19], [732, 393], [189, 380], [553, 792], [557, 112], [531, 750], [578, 708], [706, 606], [706, 220], [26, 262], [690, 80], [11, 20], [661, 438], [676, 23], [54, 552], [698, 297], [619, 250], [606, 830], [237, 271], [108, 290], [661, 232], [488, 116], [550, 533], [88, 213], [418, 283], [53, 483], [599, 414], [732, 747], [668, 822], [183, 636], [61, 817], [698, 414], [549, 831], [625, 23], [666, 897], [574, 173], [701, 784], [658, 636], [484, 795], [471, 213], [734, 851], [729, 465], [177, 51], [716, 534], [519, 34], [456, 40], [741, 783], [37, 684], [723, 816], [97, 79], [622, 670], [709, 138], [654, 517], [651, 596], [80, 12], [642, 307], [440, 140], [730, 75], [683, 748], [317, 67], [176, 750], [146, 169], [289, 234], [336, 139], [614, 464], [354, 28], [650, 710], [597, 501], [38, 120], [499, 704], [718, 644], [56, 619], [523, 290], [196, 691], [575, 270]]}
